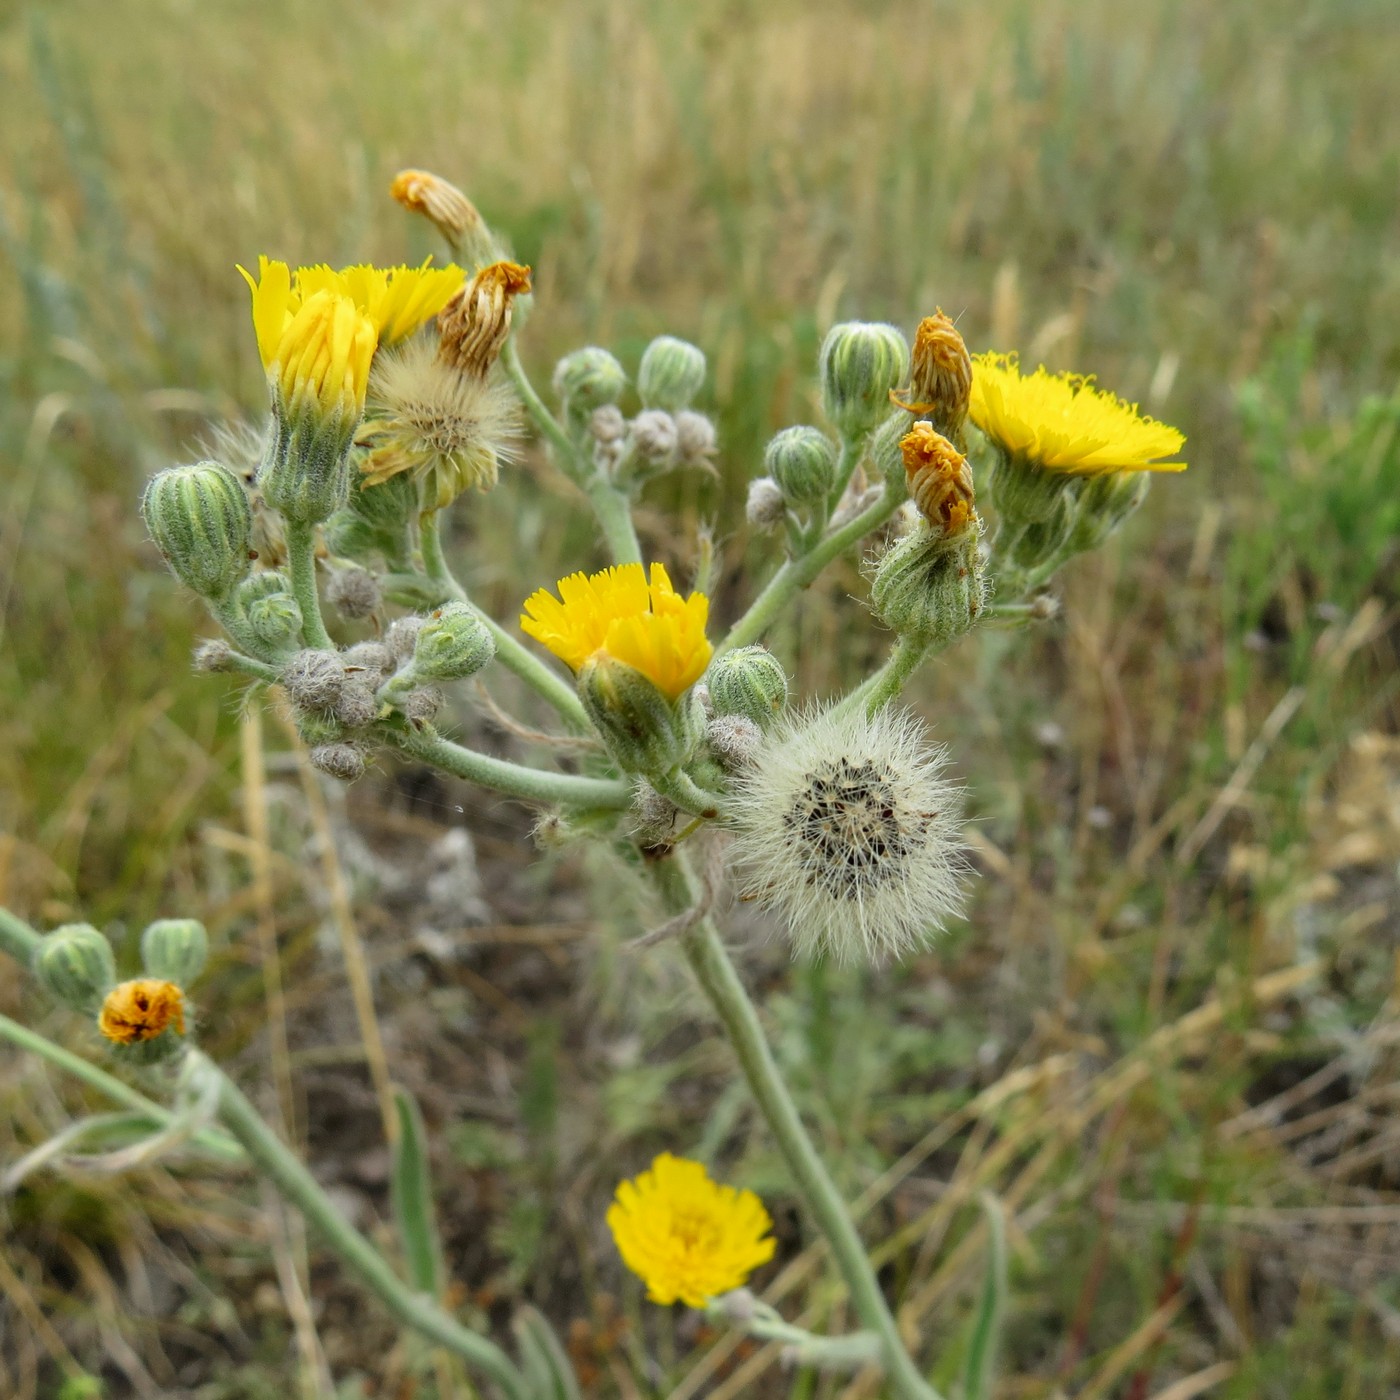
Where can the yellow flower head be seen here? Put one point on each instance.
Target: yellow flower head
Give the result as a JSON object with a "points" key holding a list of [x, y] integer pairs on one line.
{"points": [[649, 627], [1064, 423], [686, 1237], [398, 300], [314, 345], [141, 1010]]}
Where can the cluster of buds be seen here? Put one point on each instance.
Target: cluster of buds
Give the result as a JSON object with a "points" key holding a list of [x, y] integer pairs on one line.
{"points": [[146, 1019]]}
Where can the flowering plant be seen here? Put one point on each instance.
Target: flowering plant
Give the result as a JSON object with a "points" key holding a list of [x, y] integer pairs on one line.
{"points": [[393, 391]]}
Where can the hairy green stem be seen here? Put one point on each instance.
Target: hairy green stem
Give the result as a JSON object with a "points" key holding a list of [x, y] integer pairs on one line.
{"points": [[614, 513], [877, 690], [796, 574], [758, 1320], [418, 1311], [720, 981], [514, 779], [687, 794], [217, 1144], [569, 461], [251, 666], [301, 563], [512, 654], [228, 615], [18, 940]]}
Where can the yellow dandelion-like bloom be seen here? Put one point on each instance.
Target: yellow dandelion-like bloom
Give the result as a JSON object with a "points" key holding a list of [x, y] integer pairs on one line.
{"points": [[649, 627], [398, 300], [1064, 423], [686, 1237], [140, 1010]]}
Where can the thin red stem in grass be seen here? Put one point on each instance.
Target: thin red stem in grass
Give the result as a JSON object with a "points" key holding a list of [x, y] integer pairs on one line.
{"points": [[1182, 1246]]}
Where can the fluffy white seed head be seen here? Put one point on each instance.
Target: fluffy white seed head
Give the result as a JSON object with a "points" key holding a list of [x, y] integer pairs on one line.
{"points": [[845, 826]]}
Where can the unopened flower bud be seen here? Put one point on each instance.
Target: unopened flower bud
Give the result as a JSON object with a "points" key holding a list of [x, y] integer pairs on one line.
{"points": [[671, 374], [402, 636], [588, 379], [748, 681], [316, 727], [356, 705], [355, 592], [314, 679], [606, 424], [940, 379], [213, 654], [1105, 502], [653, 438], [372, 660], [803, 463], [144, 1019], [473, 327], [766, 505], [1025, 494], [275, 619], [860, 363], [733, 740], [656, 815], [174, 950], [453, 215], [695, 438], [343, 761], [374, 519], [932, 585], [939, 479], [421, 706], [75, 966], [637, 722], [200, 521], [452, 642]]}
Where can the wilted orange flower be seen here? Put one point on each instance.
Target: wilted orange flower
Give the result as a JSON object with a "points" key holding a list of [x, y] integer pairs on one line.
{"points": [[141, 1010]]}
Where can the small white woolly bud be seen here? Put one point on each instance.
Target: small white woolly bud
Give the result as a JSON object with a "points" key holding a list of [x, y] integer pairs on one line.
{"points": [[700, 693], [766, 505], [847, 828], [373, 660], [656, 815], [733, 740], [354, 592], [422, 704], [552, 833], [356, 705], [314, 679], [696, 442], [343, 761], [402, 636], [1044, 607], [606, 424], [212, 655], [653, 437]]}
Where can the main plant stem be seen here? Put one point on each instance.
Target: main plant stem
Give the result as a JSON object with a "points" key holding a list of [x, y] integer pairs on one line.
{"points": [[276, 1162], [720, 981], [301, 562], [876, 691]]}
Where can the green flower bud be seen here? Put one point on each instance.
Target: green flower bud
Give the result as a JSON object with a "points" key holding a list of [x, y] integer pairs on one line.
{"points": [[748, 681], [637, 722], [174, 950], [1104, 503], [374, 520], [453, 642], [931, 585], [274, 615], [587, 379], [671, 374], [74, 965], [860, 363], [200, 521], [803, 463], [306, 473], [1030, 546]]}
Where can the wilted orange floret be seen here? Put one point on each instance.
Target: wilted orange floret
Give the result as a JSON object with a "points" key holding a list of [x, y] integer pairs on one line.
{"points": [[940, 481], [437, 199], [141, 1010], [473, 326]]}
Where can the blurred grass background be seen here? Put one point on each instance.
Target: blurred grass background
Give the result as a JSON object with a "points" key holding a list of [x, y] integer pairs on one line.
{"points": [[1188, 786]]}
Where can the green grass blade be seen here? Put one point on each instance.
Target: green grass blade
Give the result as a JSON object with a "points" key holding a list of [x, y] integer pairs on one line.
{"points": [[980, 1370], [412, 1192]]}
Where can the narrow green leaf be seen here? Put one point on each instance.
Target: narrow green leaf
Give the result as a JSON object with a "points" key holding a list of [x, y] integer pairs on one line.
{"points": [[411, 1190], [980, 1370], [545, 1363]]}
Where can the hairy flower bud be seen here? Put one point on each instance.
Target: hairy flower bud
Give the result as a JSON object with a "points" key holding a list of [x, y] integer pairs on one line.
{"points": [[637, 722], [356, 706], [606, 424], [932, 585], [1104, 503], [656, 815], [803, 463], [695, 439], [588, 379], [374, 519], [75, 966], [402, 636], [733, 740], [275, 619], [355, 592], [748, 681], [314, 679], [938, 478], [940, 380], [652, 437], [174, 950], [200, 521], [1025, 494], [452, 642], [371, 660], [671, 374], [766, 505], [860, 363], [343, 761], [213, 654], [421, 706]]}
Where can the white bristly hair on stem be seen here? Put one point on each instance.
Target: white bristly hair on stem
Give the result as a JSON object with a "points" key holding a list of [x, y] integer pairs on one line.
{"points": [[845, 826]]}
